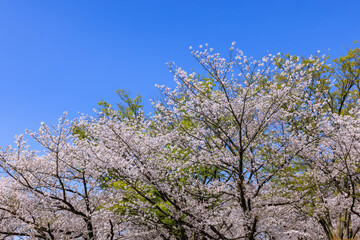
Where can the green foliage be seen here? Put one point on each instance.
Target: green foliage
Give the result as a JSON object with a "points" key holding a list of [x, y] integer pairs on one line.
{"points": [[80, 132], [347, 82], [127, 108]]}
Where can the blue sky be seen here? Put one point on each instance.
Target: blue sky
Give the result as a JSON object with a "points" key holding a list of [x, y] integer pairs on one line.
{"points": [[66, 55]]}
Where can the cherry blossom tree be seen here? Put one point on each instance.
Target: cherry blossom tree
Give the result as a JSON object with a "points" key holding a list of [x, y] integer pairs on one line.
{"points": [[242, 149], [51, 195], [202, 166], [326, 171]]}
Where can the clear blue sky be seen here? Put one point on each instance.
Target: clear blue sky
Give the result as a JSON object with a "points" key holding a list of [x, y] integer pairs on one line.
{"points": [[66, 55]]}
